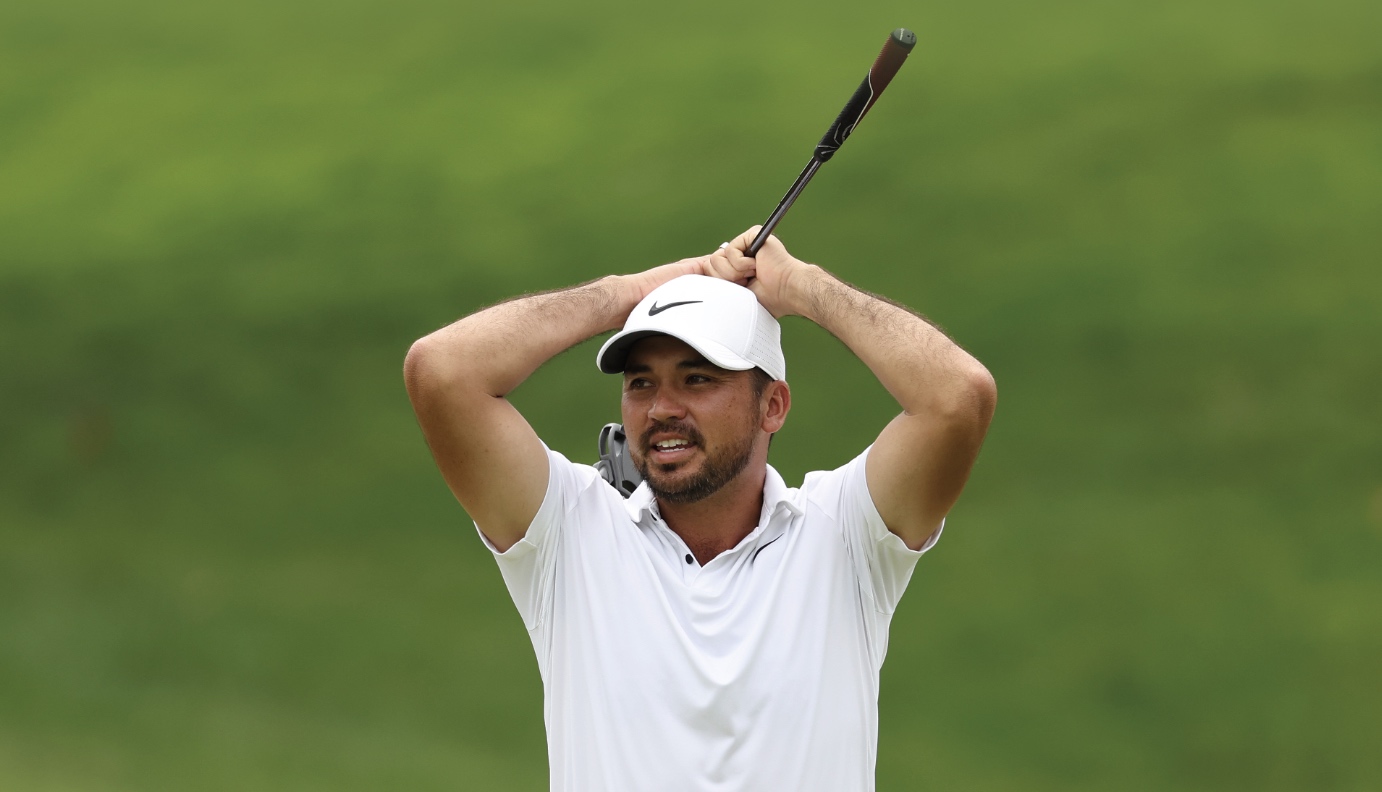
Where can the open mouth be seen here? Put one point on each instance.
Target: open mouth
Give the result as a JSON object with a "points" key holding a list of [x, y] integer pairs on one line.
{"points": [[670, 449], [669, 444]]}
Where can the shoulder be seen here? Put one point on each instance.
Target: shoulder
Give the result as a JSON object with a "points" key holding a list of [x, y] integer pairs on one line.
{"points": [[830, 491], [576, 472], [575, 488], [570, 484]]}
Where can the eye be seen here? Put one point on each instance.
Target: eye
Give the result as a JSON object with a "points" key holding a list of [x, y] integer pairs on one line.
{"points": [[696, 379], [636, 383]]}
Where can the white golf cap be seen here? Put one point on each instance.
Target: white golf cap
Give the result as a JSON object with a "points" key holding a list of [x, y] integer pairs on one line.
{"points": [[719, 319]]}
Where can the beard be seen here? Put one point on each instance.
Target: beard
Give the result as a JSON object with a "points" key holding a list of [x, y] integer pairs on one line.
{"points": [[717, 470]]}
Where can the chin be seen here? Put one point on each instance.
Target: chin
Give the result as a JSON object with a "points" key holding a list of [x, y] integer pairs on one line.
{"points": [[669, 473], [667, 476]]}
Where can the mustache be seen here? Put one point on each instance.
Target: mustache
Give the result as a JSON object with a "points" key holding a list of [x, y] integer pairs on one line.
{"points": [[678, 427]]}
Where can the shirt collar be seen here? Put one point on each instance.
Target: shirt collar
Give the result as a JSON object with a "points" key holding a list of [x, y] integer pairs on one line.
{"points": [[640, 501], [775, 495]]}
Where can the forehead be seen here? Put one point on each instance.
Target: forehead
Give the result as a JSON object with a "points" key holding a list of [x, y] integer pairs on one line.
{"points": [[663, 350]]}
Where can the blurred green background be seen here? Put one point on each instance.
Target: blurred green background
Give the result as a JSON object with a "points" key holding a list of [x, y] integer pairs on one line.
{"points": [[227, 563]]}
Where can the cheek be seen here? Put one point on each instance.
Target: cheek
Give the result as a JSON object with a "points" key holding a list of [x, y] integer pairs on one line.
{"points": [[634, 417], [730, 419]]}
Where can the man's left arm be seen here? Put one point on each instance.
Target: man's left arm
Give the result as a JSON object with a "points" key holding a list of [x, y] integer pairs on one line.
{"points": [[922, 459]]}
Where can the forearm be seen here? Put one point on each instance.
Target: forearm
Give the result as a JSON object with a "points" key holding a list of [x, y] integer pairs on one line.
{"points": [[920, 366], [496, 349]]}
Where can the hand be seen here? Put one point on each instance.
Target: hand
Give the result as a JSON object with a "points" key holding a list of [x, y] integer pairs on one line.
{"points": [[767, 275], [641, 284]]}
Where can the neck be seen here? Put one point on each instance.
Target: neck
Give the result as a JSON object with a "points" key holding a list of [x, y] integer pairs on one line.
{"points": [[718, 523]]}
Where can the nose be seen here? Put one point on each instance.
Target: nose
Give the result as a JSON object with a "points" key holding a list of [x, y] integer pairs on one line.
{"points": [[665, 406]]}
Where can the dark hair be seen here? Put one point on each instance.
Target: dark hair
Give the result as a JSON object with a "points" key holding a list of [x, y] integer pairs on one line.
{"points": [[761, 381]]}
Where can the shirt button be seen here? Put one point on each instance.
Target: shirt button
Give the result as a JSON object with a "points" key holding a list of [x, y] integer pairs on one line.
{"points": [[688, 558]]}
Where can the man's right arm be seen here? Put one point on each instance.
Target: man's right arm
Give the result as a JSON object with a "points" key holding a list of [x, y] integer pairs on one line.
{"points": [[458, 379]]}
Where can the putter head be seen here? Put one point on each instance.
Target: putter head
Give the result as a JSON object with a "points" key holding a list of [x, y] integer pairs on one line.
{"points": [[615, 465]]}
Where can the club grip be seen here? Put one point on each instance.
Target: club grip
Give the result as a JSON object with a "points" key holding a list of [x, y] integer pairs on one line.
{"points": [[890, 59]]}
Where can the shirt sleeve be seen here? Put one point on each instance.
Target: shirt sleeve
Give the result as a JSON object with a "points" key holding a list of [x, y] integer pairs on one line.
{"points": [[882, 561], [529, 566]]}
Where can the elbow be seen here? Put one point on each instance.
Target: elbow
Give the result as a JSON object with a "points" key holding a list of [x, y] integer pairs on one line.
{"points": [[424, 365], [414, 363], [983, 392], [439, 365], [970, 400]]}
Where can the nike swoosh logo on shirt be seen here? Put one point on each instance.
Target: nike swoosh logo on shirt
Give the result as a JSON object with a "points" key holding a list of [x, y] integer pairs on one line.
{"points": [[761, 549], [657, 309]]}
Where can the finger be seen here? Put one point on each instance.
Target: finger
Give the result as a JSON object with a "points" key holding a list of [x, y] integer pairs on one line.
{"points": [[696, 265], [733, 252], [719, 266], [741, 243], [771, 246], [745, 265]]}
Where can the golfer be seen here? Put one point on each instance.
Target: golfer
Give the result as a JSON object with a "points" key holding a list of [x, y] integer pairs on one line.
{"points": [[718, 630]]}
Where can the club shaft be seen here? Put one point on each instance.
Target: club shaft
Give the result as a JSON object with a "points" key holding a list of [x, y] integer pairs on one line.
{"points": [[884, 68], [783, 205]]}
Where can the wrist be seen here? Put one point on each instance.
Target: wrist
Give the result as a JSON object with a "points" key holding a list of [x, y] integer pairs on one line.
{"points": [[623, 292], [620, 289], [803, 287]]}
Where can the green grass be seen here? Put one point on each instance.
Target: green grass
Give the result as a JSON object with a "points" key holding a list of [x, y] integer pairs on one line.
{"points": [[227, 563]]}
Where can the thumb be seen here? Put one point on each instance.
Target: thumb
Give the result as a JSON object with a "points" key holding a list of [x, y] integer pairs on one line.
{"points": [[741, 243]]}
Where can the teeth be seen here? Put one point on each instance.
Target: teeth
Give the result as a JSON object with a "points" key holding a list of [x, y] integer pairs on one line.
{"points": [[671, 443]]}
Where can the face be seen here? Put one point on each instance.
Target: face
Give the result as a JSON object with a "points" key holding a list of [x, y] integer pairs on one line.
{"points": [[692, 426]]}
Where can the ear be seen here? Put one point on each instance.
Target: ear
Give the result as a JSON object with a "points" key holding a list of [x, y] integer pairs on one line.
{"points": [[777, 402]]}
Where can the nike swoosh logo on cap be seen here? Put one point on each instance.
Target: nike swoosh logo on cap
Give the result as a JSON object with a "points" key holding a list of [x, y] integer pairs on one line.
{"points": [[657, 309]]}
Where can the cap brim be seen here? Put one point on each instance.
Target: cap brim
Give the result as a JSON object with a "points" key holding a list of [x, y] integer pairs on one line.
{"points": [[614, 355]]}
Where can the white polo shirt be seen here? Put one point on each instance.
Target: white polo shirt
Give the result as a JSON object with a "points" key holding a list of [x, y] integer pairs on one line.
{"points": [[758, 671]]}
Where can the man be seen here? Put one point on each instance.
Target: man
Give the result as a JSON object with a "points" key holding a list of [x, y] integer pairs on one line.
{"points": [[717, 630]]}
